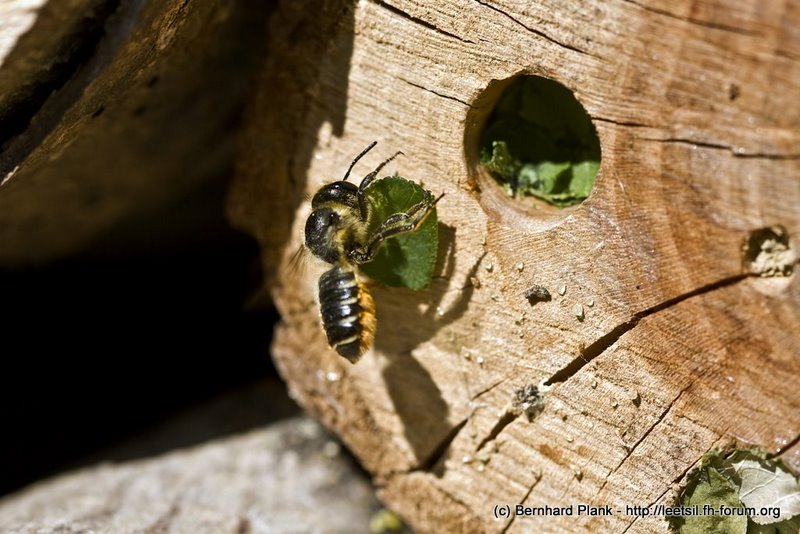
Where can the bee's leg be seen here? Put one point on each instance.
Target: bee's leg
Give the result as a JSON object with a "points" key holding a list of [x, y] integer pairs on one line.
{"points": [[401, 225], [405, 221], [363, 207]]}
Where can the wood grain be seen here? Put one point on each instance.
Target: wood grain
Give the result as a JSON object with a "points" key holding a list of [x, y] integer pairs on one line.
{"points": [[112, 112], [679, 351]]}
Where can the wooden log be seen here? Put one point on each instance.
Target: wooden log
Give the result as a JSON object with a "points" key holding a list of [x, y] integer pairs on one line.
{"points": [[111, 112], [681, 348]]}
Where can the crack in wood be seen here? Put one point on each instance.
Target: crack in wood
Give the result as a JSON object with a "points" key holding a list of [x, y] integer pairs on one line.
{"points": [[738, 153], [506, 419], [455, 499], [631, 449], [698, 22], [416, 20], [683, 473], [605, 342], [487, 389], [764, 155], [439, 451], [448, 97], [524, 498], [669, 488], [622, 123], [786, 447], [692, 142], [535, 31], [654, 425]]}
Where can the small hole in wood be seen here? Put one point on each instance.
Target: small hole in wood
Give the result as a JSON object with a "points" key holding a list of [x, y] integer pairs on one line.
{"points": [[528, 400], [531, 148], [768, 252]]}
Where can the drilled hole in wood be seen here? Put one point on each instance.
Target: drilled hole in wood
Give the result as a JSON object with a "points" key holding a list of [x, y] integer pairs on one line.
{"points": [[531, 148]]}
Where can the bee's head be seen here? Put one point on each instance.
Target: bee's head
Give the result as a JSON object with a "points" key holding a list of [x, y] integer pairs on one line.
{"points": [[321, 228]]}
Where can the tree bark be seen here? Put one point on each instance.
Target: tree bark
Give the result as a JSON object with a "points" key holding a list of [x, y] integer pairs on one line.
{"points": [[682, 347]]}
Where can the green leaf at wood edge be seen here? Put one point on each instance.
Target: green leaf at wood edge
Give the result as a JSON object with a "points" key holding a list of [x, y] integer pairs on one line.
{"points": [[763, 483], [710, 488], [789, 526], [755, 481], [406, 260]]}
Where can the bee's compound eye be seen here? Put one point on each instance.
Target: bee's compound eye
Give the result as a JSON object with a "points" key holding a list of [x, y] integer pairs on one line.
{"points": [[318, 227], [320, 220]]}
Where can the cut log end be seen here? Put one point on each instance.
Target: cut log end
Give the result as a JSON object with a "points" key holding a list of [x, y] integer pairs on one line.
{"points": [[637, 312]]}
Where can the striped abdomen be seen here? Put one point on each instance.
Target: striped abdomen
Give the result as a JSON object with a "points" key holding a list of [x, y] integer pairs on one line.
{"points": [[348, 313]]}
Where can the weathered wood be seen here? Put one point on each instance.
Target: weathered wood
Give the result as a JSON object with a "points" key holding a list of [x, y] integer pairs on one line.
{"points": [[695, 104], [111, 111]]}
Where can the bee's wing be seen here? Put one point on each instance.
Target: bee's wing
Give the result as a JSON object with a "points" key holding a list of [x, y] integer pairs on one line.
{"points": [[296, 266]]}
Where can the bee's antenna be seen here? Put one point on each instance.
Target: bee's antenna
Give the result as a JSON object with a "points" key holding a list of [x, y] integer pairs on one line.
{"points": [[353, 164]]}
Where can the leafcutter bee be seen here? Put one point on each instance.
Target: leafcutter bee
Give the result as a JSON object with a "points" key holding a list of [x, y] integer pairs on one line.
{"points": [[342, 231]]}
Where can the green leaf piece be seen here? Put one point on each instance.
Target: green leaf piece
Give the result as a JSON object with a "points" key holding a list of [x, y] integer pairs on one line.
{"points": [[789, 526], [406, 260], [764, 484], [747, 479], [540, 141], [711, 488], [501, 163]]}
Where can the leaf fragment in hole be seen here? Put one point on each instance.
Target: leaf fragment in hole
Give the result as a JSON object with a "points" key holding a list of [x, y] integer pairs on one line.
{"points": [[561, 183], [540, 141], [408, 259]]}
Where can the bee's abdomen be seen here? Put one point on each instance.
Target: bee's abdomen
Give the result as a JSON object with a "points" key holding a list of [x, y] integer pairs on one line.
{"points": [[348, 313]]}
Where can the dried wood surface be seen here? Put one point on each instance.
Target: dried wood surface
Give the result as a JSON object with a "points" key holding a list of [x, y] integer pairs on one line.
{"points": [[695, 104], [111, 112]]}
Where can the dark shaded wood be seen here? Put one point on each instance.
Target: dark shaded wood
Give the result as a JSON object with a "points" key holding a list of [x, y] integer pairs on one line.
{"points": [[112, 111]]}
